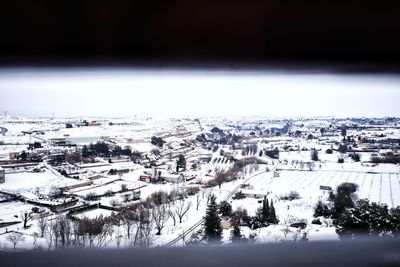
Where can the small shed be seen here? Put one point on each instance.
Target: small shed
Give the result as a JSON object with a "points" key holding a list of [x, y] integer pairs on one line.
{"points": [[145, 178], [276, 174], [254, 193]]}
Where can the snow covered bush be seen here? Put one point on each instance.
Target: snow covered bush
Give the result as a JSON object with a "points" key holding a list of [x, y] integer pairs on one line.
{"points": [[371, 219], [292, 195], [322, 209], [224, 208], [91, 196]]}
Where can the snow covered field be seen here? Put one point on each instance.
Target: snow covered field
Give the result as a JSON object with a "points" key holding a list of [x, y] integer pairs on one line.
{"points": [[378, 187], [92, 176], [27, 183]]}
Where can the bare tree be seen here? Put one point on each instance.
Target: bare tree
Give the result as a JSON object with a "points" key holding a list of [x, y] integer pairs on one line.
{"points": [[35, 237], [311, 166], [172, 196], [105, 236], [198, 201], [56, 233], [181, 209], [26, 217], [286, 230], [128, 219], [15, 238], [143, 231], [118, 237], [160, 216], [146, 232], [171, 214], [64, 231], [96, 230], [42, 225], [220, 177], [50, 231]]}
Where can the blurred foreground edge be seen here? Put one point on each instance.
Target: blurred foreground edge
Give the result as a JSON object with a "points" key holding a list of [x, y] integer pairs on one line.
{"points": [[343, 253]]}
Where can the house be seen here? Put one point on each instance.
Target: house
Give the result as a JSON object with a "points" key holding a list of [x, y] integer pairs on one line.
{"points": [[254, 193], [145, 178], [14, 155], [94, 123], [2, 176], [173, 178]]}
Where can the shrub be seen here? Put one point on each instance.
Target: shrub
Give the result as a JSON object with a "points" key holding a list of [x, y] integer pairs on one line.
{"points": [[367, 218], [157, 141], [114, 203], [55, 192], [355, 156], [292, 195], [316, 221], [211, 183], [322, 209], [314, 155], [340, 160], [109, 193], [272, 153], [158, 198], [91, 196], [329, 151], [239, 195], [193, 190], [240, 217], [224, 208], [343, 198]]}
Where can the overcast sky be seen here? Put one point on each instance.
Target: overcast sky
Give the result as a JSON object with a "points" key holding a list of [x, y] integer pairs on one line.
{"points": [[196, 93]]}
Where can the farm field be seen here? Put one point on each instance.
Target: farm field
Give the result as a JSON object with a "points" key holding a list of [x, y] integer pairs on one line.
{"points": [[381, 187]]}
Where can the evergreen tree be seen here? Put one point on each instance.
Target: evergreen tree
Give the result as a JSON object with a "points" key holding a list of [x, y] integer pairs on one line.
{"points": [[181, 162], [395, 220], [212, 222], [225, 208], [322, 209], [85, 151], [344, 133], [343, 198], [23, 155], [314, 155], [265, 210], [366, 219], [262, 216], [272, 215], [157, 141], [236, 235]]}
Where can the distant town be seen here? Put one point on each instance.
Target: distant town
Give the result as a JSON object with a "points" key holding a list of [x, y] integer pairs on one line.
{"points": [[150, 182]]}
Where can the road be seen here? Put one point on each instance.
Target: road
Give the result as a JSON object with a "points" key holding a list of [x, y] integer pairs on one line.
{"points": [[200, 222]]}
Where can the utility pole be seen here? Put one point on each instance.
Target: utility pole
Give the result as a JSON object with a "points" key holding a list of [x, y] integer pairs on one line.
{"points": [[5, 113]]}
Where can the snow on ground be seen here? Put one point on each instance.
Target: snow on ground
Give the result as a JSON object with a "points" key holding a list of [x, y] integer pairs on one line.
{"points": [[92, 214], [11, 211], [380, 183], [26, 183], [378, 187]]}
